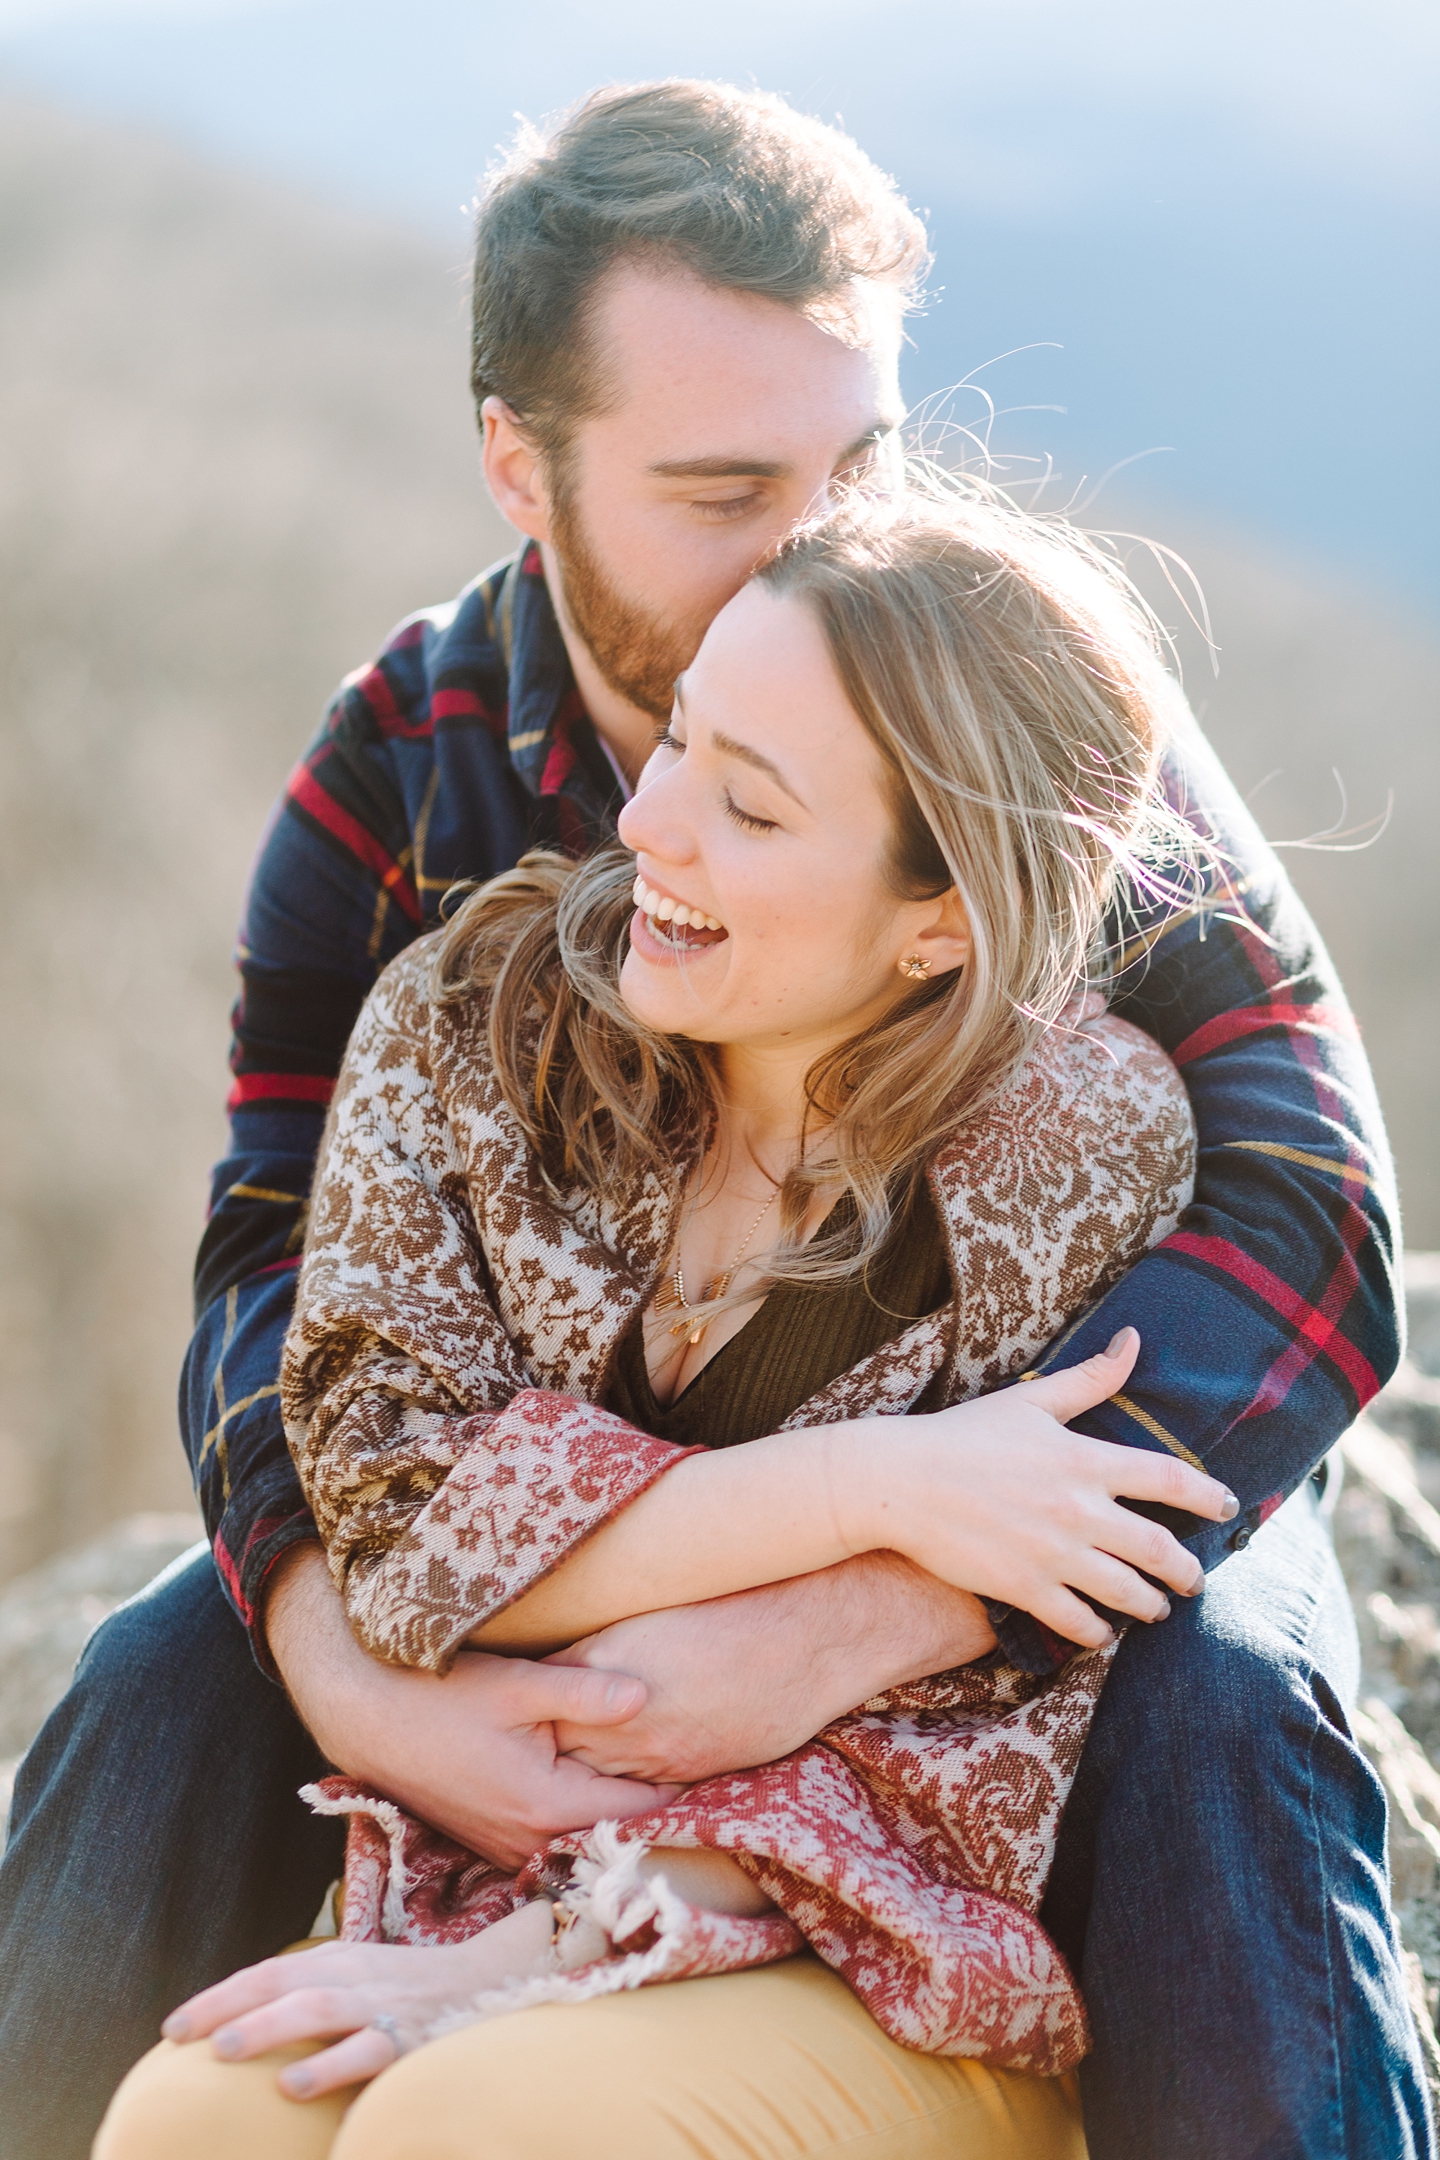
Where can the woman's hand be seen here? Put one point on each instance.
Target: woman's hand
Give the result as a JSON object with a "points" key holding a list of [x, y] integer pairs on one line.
{"points": [[337, 1990], [997, 1497]]}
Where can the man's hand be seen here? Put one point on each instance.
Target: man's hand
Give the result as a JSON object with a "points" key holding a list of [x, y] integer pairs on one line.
{"points": [[473, 1752], [744, 1679]]}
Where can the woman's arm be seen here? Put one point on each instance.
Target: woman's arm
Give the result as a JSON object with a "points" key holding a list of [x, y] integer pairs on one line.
{"points": [[443, 1483], [746, 1679], [994, 1496]]}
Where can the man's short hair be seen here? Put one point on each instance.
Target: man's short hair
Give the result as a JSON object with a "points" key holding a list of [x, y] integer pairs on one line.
{"points": [[734, 185]]}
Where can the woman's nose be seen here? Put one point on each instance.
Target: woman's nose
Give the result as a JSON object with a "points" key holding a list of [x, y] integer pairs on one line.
{"points": [[649, 824]]}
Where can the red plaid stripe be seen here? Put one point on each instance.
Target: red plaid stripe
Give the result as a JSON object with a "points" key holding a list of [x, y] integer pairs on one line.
{"points": [[307, 794], [1316, 1328]]}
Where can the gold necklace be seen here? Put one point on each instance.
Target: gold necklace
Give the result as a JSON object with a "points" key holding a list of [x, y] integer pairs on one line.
{"points": [[673, 1292]]}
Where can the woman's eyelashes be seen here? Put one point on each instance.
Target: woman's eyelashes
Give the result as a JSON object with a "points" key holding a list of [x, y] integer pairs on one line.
{"points": [[667, 739], [743, 817]]}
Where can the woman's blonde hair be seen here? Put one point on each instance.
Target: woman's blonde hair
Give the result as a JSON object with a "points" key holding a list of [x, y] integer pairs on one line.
{"points": [[1011, 681]]}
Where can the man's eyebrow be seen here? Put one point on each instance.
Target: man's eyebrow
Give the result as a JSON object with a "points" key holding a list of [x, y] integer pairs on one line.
{"points": [[728, 747], [718, 468], [743, 468], [870, 440]]}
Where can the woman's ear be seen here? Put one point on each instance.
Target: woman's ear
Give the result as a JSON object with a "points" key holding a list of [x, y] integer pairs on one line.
{"points": [[512, 470], [944, 941]]}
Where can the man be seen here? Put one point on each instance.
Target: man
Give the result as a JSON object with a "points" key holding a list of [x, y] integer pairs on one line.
{"points": [[687, 321]]}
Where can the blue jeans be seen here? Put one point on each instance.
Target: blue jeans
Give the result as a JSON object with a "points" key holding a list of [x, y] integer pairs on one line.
{"points": [[156, 1843], [1220, 1886]]}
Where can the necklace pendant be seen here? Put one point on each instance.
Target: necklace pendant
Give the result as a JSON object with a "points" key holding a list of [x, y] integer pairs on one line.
{"points": [[696, 1333], [670, 1294]]}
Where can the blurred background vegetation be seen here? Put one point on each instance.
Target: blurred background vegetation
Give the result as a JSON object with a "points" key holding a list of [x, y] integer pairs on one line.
{"points": [[1196, 244]]}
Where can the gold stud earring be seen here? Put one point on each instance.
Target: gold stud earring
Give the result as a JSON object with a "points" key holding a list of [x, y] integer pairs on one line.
{"points": [[913, 966]]}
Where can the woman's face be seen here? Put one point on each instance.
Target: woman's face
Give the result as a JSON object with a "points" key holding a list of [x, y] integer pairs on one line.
{"points": [[764, 811]]}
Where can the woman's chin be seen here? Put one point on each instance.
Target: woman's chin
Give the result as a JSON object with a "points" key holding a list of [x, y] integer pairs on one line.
{"points": [[660, 998]]}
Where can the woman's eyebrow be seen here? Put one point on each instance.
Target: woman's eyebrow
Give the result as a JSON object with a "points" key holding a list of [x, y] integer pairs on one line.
{"points": [[728, 747]]}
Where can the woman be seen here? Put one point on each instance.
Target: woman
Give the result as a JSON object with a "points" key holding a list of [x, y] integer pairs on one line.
{"points": [[674, 1211]]}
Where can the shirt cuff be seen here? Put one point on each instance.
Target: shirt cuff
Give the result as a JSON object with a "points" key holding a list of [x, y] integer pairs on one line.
{"points": [[1025, 1641], [247, 1580]]}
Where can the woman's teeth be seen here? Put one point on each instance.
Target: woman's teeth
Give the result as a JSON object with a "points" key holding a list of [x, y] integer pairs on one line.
{"points": [[659, 907]]}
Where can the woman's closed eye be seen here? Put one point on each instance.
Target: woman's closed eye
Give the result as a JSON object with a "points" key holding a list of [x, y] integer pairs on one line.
{"points": [[743, 817]]}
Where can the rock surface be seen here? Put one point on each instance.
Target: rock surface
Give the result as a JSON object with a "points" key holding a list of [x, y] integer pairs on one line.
{"points": [[1387, 1535]]}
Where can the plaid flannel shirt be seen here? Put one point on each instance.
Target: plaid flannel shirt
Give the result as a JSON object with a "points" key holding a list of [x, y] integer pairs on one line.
{"points": [[1267, 1321]]}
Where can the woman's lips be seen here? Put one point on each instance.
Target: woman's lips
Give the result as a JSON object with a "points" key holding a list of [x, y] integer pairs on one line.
{"points": [[662, 943]]}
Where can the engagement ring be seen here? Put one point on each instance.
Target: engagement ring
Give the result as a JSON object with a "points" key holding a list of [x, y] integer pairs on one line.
{"points": [[390, 2028]]}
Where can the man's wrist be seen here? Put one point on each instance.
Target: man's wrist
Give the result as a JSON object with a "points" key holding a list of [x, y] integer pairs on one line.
{"points": [[288, 1597], [905, 1624]]}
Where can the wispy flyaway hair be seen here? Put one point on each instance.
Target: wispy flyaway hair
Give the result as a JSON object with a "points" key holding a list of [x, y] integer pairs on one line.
{"points": [[733, 185], [1008, 676]]}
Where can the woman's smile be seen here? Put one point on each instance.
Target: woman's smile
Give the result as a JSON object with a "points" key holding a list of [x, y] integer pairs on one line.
{"points": [[666, 929]]}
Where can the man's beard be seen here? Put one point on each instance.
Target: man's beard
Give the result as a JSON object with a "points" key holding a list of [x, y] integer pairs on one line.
{"points": [[638, 654]]}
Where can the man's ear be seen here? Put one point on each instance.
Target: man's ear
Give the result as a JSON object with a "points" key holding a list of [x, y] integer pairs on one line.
{"points": [[945, 940], [512, 470]]}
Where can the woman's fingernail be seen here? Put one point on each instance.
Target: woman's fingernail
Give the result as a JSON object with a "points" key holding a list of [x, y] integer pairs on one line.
{"points": [[1231, 1507], [176, 2026], [227, 2043], [1164, 1612], [299, 2082], [1118, 1342]]}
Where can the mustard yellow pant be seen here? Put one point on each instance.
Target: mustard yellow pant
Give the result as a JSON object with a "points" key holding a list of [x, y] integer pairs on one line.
{"points": [[773, 2064]]}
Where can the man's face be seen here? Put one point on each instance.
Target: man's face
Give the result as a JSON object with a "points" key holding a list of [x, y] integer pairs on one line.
{"points": [[731, 419]]}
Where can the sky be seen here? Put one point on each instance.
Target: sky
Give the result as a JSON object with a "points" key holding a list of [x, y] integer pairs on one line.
{"points": [[1194, 241]]}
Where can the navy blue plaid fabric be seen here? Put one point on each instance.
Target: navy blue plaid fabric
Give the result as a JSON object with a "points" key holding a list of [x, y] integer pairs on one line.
{"points": [[1267, 1320]]}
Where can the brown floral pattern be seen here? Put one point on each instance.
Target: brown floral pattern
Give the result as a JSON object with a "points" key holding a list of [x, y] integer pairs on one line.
{"points": [[454, 1330]]}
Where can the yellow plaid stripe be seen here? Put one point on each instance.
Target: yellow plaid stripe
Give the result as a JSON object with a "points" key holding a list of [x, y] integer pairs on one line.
{"points": [[1344, 1171], [213, 1438], [1153, 1425]]}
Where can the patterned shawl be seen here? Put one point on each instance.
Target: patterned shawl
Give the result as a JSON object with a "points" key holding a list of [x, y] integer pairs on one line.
{"points": [[454, 1331]]}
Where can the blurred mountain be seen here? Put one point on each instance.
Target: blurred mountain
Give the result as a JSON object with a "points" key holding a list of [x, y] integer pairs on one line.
{"points": [[237, 449], [1190, 236]]}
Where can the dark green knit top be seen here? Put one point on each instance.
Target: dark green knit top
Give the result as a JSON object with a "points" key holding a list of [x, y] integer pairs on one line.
{"points": [[802, 1337]]}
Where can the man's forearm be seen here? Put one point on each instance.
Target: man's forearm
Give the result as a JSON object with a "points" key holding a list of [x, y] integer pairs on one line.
{"points": [[872, 1623], [744, 1679], [315, 1653]]}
